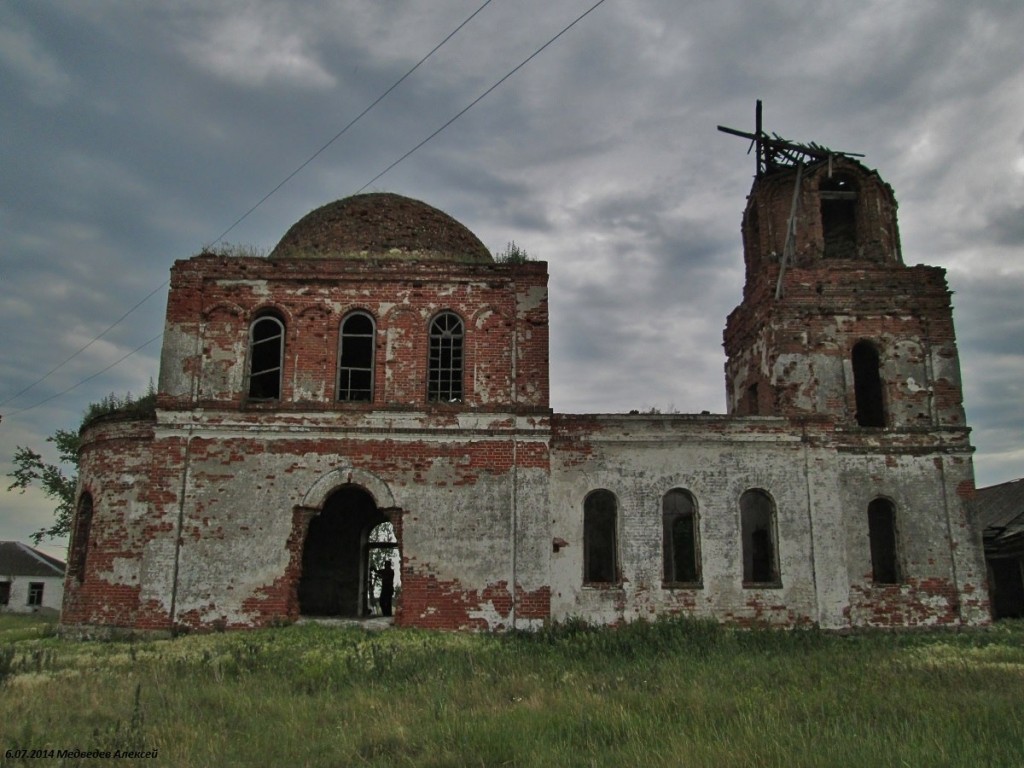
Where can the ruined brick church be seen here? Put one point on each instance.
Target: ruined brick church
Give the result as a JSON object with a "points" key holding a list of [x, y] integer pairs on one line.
{"points": [[380, 366]]}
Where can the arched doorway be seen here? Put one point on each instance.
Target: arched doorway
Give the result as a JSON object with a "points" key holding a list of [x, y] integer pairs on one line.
{"points": [[335, 561]]}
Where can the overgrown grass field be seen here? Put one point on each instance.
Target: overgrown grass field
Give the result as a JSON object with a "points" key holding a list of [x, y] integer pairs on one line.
{"points": [[670, 693]]}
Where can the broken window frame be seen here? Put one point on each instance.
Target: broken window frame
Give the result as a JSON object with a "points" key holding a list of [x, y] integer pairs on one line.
{"points": [[35, 594], [681, 559], [883, 542], [266, 333], [868, 392], [446, 358], [362, 362], [80, 539], [600, 538], [758, 521]]}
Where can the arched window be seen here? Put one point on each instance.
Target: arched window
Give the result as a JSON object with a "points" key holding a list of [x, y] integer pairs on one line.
{"points": [[839, 216], [444, 377], [882, 534], [80, 540], [599, 561], [757, 520], [680, 537], [266, 356], [867, 385], [355, 358]]}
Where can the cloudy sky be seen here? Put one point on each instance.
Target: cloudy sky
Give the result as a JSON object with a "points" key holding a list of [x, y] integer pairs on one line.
{"points": [[133, 134]]}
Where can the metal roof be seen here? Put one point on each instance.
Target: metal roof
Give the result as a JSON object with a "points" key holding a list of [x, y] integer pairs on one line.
{"points": [[17, 559], [1000, 510]]}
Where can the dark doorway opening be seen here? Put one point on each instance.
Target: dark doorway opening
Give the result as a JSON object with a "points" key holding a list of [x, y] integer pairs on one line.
{"points": [[1006, 580], [335, 556]]}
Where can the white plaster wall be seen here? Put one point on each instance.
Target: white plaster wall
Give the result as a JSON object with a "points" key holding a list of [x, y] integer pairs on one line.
{"points": [[53, 593], [936, 539], [716, 463], [245, 481]]}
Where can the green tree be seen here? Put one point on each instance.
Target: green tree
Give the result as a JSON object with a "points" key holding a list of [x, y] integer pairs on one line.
{"points": [[58, 481]]}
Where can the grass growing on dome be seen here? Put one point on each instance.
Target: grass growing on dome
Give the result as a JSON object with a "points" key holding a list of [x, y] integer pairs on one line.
{"points": [[668, 693]]}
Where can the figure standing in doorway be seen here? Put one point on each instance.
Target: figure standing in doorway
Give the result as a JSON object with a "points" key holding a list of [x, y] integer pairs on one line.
{"points": [[387, 588]]}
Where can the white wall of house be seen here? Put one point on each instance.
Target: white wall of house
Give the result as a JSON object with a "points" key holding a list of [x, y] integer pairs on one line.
{"points": [[21, 589]]}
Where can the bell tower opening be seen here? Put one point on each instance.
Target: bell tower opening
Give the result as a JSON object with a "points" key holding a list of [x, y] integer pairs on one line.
{"points": [[838, 196], [336, 557]]}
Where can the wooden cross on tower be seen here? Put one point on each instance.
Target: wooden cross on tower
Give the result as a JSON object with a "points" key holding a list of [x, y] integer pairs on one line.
{"points": [[775, 152]]}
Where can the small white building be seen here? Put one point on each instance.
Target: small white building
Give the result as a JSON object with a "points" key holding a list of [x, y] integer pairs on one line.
{"points": [[30, 580]]}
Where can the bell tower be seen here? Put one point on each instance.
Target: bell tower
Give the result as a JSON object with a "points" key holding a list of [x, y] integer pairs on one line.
{"points": [[832, 322]]}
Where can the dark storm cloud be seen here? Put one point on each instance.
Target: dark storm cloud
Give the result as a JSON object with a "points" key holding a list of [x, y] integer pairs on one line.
{"points": [[134, 134], [1006, 226]]}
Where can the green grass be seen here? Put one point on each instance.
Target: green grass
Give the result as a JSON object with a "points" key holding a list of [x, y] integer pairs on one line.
{"points": [[672, 693]]}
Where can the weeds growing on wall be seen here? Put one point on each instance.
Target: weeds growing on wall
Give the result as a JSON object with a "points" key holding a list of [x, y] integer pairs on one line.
{"points": [[668, 693], [235, 250], [512, 254], [128, 405]]}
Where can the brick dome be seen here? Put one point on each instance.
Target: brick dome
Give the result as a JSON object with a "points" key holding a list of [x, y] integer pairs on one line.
{"points": [[380, 225]]}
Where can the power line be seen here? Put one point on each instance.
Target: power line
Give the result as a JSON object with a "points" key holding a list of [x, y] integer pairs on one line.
{"points": [[463, 111], [71, 357], [89, 378], [352, 122], [241, 218], [479, 98]]}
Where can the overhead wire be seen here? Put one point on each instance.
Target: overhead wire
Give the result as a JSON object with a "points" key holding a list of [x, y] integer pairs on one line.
{"points": [[352, 122], [71, 357], [89, 378], [390, 167], [480, 98], [245, 215]]}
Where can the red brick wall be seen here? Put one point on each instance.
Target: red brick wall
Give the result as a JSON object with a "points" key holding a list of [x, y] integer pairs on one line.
{"points": [[114, 466], [797, 348], [766, 219], [213, 300]]}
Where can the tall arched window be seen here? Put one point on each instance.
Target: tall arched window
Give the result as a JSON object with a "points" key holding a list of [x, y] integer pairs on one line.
{"points": [[680, 537], [355, 358], [882, 534], [757, 520], [266, 357], [444, 377], [600, 564], [80, 539], [867, 385]]}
